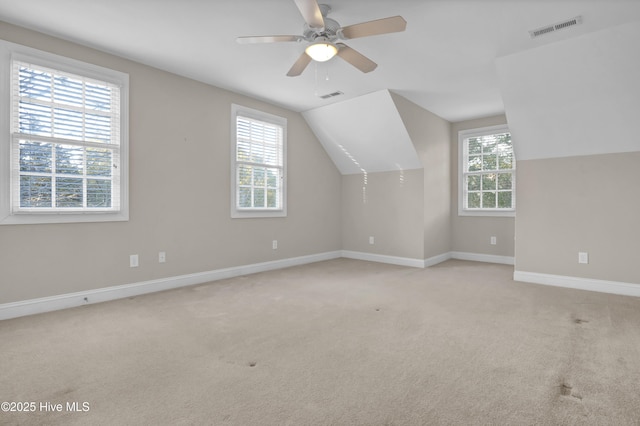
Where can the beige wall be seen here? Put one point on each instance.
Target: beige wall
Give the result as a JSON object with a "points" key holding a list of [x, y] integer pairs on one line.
{"points": [[407, 212], [430, 135], [572, 204], [179, 194], [472, 234], [388, 207]]}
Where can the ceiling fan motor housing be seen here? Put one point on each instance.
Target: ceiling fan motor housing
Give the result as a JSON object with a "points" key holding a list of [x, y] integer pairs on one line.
{"points": [[330, 31], [324, 36]]}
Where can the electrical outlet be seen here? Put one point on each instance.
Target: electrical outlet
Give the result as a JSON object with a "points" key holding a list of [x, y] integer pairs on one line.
{"points": [[274, 244], [493, 241], [133, 261], [583, 257], [162, 257], [371, 240]]}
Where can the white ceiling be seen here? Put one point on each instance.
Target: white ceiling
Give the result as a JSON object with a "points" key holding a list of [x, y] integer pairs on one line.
{"points": [[445, 61], [350, 143], [553, 114]]}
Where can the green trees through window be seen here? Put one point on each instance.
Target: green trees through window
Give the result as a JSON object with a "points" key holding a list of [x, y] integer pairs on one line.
{"points": [[258, 143], [67, 139], [488, 172], [64, 175]]}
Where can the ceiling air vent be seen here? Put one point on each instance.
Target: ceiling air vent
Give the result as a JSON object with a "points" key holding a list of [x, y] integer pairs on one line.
{"points": [[555, 27], [331, 95]]}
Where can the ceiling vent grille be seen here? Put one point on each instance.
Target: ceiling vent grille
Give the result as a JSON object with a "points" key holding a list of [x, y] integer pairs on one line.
{"points": [[331, 95], [555, 27]]}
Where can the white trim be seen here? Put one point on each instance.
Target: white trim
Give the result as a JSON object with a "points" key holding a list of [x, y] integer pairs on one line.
{"points": [[71, 300], [484, 131], [434, 260], [465, 134], [381, 258], [10, 50], [239, 110], [487, 212], [425, 263], [480, 257], [602, 286]]}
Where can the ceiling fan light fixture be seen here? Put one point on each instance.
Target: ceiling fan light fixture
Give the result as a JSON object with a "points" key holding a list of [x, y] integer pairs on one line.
{"points": [[322, 50], [324, 37]]}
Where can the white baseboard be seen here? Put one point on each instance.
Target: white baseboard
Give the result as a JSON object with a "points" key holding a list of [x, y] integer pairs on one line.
{"points": [[71, 300], [479, 257], [381, 258], [425, 263], [434, 260], [602, 286]]}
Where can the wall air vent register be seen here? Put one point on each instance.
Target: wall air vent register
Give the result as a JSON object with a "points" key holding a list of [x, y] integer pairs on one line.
{"points": [[555, 27]]}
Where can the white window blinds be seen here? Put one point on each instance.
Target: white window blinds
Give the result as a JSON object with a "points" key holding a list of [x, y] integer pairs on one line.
{"points": [[259, 164], [65, 141]]}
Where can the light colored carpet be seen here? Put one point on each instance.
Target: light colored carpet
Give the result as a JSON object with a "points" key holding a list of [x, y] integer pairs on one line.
{"points": [[342, 342]]}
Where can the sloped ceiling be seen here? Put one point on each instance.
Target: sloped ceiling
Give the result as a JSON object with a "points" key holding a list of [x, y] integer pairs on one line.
{"points": [[364, 134], [444, 62], [573, 92], [579, 96]]}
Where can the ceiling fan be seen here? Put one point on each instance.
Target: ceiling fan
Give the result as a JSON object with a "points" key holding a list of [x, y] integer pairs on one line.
{"points": [[324, 36]]}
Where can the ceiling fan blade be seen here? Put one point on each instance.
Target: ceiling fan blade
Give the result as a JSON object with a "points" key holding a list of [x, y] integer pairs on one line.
{"points": [[299, 65], [393, 24], [356, 58], [311, 13], [268, 39]]}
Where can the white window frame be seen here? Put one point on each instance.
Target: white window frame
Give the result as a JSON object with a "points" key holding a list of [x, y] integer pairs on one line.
{"points": [[462, 161], [8, 214], [236, 211]]}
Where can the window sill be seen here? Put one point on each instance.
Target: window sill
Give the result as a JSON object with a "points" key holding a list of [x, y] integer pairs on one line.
{"points": [[487, 213], [43, 218], [248, 214]]}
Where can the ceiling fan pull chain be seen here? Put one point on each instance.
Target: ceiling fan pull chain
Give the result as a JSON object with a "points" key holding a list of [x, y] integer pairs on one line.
{"points": [[315, 92]]}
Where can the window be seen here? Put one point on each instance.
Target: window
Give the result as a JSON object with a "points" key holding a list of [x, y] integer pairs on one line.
{"points": [[258, 164], [65, 150], [487, 172]]}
